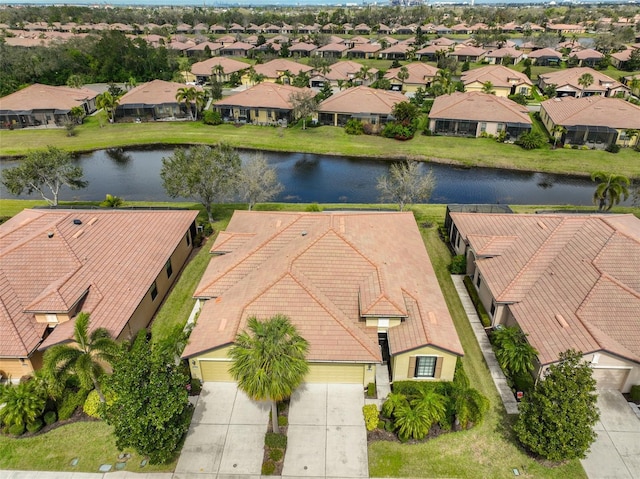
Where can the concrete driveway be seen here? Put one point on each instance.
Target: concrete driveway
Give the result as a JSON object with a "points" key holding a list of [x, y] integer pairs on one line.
{"points": [[226, 435], [616, 452], [326, 435]]}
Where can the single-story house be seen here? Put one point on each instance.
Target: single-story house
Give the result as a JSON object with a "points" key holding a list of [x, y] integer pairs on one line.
{"points": [[155, 100], [564, 28], [359, 287], [302, 49], [211, 68], [116, 265], [332, 50], [504, 81], [398, 51], [619, 59], [505, 56], [202, 49], [431, 52], [594, 121], [364, 50], [277, 69], [421, 75], [468, 54], [475, 113], [587, 57], [567, 281], [263, 104], [567, 83], [368, 105], [236, 49], [345, 71], [44, 105], [545, 57]]}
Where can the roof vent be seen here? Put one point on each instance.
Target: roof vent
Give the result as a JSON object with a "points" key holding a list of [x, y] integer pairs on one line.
{"points": [[542, 225], [561, 321], [77, 222], [49, 234], [304, 233]]}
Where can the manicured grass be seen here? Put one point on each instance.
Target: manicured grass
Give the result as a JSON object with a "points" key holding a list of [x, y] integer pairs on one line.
{"points": [[482, 152], [93, 443]]}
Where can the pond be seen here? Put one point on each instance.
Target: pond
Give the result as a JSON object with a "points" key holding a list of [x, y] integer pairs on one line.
{"points": [[135, 175]]}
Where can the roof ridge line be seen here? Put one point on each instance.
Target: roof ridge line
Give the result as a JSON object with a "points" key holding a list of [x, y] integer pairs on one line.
{"points": [[426, 333], [8, 315]]}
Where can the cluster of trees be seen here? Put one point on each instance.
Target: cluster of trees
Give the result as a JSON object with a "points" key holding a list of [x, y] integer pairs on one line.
{"points": [[515, 356]]}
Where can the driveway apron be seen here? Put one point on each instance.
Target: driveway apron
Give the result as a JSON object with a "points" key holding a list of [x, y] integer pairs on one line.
{"points": [[226, 436], [616, 452], [326, 433]]}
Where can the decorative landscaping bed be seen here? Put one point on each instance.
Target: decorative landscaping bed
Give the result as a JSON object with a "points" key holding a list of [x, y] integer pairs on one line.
{"points": [[275, 445]]}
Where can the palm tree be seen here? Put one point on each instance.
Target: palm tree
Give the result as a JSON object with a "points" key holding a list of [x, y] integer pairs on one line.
{"points": [[218, 71], [403, 74], [468, 404], [393, 403], [112, 201], [557, 131], [630, 133], [513, 351], [487, 87], [199, 102], [611, 189], [411, 423], [22, 404], [269, 361], [109, 103], [131, 83], [585, 81], [432, 405], [634, 84], [186, 95], [85, 358]]}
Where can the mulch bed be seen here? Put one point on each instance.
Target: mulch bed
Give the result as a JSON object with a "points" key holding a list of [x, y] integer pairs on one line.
{"points": [[383, 435], [283, 411]]}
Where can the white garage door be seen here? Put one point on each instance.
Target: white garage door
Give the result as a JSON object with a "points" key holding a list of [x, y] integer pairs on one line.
{"points": [[610, 378]]}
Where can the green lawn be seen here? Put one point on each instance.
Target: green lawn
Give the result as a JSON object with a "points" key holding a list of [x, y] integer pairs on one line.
{"points": [[482, 152]]}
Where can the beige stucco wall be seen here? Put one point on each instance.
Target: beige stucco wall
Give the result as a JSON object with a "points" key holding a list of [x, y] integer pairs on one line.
{"points": [[400, 364], [195, 363]]}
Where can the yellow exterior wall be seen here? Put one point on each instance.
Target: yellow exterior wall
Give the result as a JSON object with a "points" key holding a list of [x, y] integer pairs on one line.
{"points": [[196, 363], [48, 318], [477, 86], [14, 368], [400, 364]]}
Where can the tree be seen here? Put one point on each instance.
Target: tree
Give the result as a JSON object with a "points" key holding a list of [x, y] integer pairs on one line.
{"points": [[557, 131], [74, 81], [258, 182], [216, 89], [585, 81], [405, 184], [111, 201], [550, 91], [85, 358], [513, 351], [269, 361], [77, 113], [23, 404], [202, 173], [403, 74], [304, 104], [487, 87], [405, 112], [108, 103], [189, 96], [469, 404], [556, 419], [50, 170], [610, 191], [150, 412], [630, 133]]}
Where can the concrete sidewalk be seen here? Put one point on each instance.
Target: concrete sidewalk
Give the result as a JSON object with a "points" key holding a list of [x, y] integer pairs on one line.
{"points": [[509, 402]]}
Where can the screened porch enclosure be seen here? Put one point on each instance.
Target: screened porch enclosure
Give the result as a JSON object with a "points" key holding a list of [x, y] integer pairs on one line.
{"points": [[597, 136]]}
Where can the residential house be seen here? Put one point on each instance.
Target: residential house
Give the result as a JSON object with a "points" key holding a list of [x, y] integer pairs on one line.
{"points": [[359, 287], [368, 105], [235, 28], [504, 81], [384, 29], [475, 113], [587, 57], [430, 53], [302, 49], [206, 49], [44, 105], [155, 100], [219, 67], [619, 59], [277, 70], [564, 29], [567, 281], [504, 56], [344, 74], [236, 49], [421, 75], [399, 51], [364, 50], [567, 83], [217, 29], [468, 54], [443, 42], [362, 29], [262, 104], [332, 50], [116, 265], [595, 121], [545, 57]]}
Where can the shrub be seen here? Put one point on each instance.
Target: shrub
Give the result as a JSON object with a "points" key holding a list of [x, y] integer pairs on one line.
{"points": [[635, 393], [475, 299], [531, 140], [16, 430], [371, 416], [518, 98], [501, 137], [92, 405], [313, 207], [371, 390], [458, 264], [523, 382], [211, 118], [50, 417], [413, 389], [70, 401], [34, 426], [370, 129], [268, 468], [283, 421], [196, 386], [398, 131], [354, 127], [274, 440], [207, 229], [382, 424], [613, 148], [276, 454]]}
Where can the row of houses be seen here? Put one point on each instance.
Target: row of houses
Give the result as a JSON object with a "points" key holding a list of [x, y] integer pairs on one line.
{"points": [[359, 287]]}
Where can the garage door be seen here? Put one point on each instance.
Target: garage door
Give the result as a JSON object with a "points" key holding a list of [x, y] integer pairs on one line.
{"points": [[610, 378], [215, 370], [335, 373]]}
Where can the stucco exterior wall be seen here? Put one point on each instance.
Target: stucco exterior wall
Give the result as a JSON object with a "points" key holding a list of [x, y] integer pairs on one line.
{"points": [[400, 364]]}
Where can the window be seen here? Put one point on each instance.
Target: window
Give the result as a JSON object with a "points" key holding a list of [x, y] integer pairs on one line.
{"points": [[478, 280], [188, 236], [500, 127], [154, 291], [425, 366], [168, 268], [483, 126], [493, 308]]}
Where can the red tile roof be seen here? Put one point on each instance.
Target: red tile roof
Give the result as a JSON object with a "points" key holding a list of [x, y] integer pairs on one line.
{"points": [[593, 110], [155, 92], [263, 95], [324, 270], [479, 106], [362, 99], [45, 97], [498, 75], [228, 64], [275, 68], [570, 281], [113, 256]]}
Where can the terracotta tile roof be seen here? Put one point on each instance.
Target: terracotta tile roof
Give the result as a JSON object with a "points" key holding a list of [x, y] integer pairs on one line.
{"points": [[201, 47], [479, 106], [397, 48], [362, 99], [303, 47], [545, 52], [570, 281], [275, 68], [155, 92], [593, 110], [366, 48], [498, 75], [230, 66], [45, 97], [504, 52], [432, 49], [346, 70], [570, 76], [334, 47], [109, 262], [419, 73], [587, 53], [263, 95], [322, 269]]}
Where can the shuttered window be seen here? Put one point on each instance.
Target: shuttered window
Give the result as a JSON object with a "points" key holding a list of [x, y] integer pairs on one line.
{"points": [[425, 367]]}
